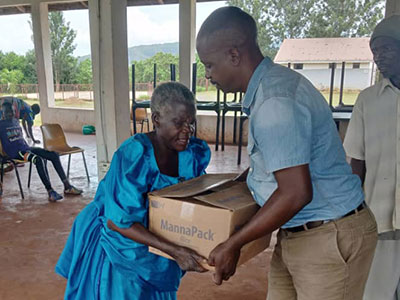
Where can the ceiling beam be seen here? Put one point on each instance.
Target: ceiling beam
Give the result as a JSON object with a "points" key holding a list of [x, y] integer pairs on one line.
{"points": [[21, 9], [60, 5]]}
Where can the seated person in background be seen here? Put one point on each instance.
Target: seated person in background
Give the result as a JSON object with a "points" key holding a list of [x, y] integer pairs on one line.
{"points": [[15, 147], [24, 112], [106, 255]]}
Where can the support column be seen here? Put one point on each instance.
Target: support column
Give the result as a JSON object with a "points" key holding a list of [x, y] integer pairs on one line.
{"points": [[44, 68], [392, 8], [108, 34], [187, 38]]}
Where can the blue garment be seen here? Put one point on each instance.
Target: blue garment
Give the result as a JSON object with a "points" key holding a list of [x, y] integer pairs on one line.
{"points": [[290, 124], [22, 110], [102, 264], [11, 138]]}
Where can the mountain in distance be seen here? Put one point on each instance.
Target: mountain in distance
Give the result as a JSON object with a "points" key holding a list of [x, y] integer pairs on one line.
{"points": [[143, 52]]}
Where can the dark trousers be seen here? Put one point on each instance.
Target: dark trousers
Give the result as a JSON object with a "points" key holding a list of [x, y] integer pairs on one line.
{"points": [[37, 156]]}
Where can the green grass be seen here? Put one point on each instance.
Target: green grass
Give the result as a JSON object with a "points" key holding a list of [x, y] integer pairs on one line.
{"points": [[75, 103]]}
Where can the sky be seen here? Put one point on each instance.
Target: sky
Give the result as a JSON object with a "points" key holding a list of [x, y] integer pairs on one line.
{"points": [[146, 25]]}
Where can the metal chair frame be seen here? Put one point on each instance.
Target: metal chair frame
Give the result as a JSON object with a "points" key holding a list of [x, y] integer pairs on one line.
{"points": [[4, 159]]}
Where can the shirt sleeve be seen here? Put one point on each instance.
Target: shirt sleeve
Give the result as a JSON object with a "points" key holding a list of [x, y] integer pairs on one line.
{"points": [[282, 132], [126, 185], [354, 140], [27, 115]]}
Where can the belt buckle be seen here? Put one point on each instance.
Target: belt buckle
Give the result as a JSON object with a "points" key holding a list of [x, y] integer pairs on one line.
{"points": [[323, 222]]}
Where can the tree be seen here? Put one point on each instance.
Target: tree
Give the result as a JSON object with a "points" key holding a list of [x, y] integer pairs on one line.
{"points": [[11, 78], [29, 68], [280, 19], [84, 72], [345, 18], [11, 61], [62, 46], [14, 69], [144, 69]]}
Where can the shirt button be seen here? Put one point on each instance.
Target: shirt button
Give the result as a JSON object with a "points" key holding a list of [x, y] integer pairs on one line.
{"points": [[251, 170], [252, 193]]}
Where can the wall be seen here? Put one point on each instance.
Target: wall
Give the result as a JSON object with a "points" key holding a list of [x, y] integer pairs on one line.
{"points": [[72, 120], [354, 79]]}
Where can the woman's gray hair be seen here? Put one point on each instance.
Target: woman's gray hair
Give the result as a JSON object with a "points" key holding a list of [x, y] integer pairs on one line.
{"points": [[168, 94]]}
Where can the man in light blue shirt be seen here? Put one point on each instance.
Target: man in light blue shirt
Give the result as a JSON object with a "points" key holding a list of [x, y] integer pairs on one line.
{"points": [[298, 172]]}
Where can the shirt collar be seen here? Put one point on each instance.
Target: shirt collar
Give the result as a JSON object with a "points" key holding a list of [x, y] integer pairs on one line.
{"points": [[254, 82], [386, 83]]}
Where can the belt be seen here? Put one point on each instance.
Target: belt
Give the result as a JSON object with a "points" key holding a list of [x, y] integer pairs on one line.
{"points": [[315, 224]]}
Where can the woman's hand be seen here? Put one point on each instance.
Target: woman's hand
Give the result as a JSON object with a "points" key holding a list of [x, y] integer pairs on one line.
{"points": [[112, 226], [188, 259]]}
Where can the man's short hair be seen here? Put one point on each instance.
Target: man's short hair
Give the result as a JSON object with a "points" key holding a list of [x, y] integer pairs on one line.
{"points": [[228, 18], [35, 108]]}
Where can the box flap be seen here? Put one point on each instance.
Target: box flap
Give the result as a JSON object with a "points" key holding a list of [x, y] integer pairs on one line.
{"points": [[194, 186], [232, 198]]}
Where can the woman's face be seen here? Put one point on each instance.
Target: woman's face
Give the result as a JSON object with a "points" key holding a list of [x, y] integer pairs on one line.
{"points": [[175, 126]]}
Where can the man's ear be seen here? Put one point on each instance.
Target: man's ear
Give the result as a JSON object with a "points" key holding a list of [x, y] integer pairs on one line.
{"points": [[155, 118], [234, 56]]}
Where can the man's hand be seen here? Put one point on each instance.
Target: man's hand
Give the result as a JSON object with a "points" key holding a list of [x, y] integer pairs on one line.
{"points": [[189, 260], [225, 258]]}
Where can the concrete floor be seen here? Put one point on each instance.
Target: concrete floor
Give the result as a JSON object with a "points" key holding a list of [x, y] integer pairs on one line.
{"points": [[33, 233]]}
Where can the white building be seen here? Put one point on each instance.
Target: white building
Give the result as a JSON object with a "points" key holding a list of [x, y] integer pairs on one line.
{"points": [[314, 58]]}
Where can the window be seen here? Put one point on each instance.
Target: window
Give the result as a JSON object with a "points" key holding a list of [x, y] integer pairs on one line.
{"points": [[356, 65], [298, 66], [332, 65]]}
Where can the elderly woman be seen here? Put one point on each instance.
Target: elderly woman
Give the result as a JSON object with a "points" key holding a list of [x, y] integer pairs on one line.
{"points": [[112, 261]]}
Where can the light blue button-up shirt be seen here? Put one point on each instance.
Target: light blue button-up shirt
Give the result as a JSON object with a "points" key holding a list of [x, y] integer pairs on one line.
{"points": [[290, 124]]}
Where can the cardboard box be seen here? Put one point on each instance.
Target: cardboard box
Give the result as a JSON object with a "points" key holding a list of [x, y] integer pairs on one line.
{"points": [[202, 213]]}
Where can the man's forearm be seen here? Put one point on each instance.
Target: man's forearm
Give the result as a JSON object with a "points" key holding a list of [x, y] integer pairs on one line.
{"points": [[278, 210], [25, 129], [293, 193], [358, 167]]}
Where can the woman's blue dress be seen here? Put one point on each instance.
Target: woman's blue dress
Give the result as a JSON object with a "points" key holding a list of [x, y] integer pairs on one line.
{"points": [[103, 264]]}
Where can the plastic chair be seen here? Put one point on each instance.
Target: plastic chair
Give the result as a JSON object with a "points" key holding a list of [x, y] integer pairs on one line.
{"points": [[4, 158], [54, 140]]}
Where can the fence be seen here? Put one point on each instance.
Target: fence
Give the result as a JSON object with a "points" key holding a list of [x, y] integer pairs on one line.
{"points": [[79, 91]]}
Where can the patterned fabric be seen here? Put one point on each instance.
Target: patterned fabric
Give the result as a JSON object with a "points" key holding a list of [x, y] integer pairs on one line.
{"points": [[22, 110], [12, 138]]}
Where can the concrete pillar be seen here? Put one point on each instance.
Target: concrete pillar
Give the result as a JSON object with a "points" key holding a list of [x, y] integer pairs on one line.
{"points": [[108, 34], [392, 8], [44, 68], [187, 38]]}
